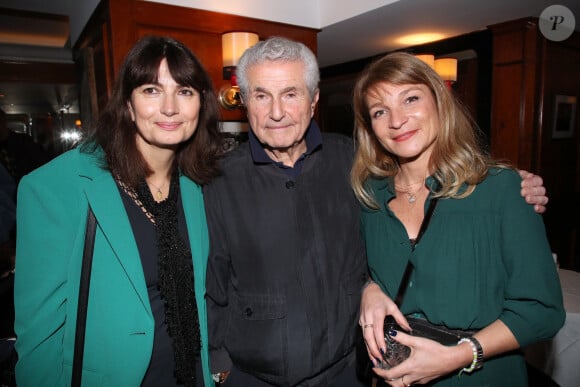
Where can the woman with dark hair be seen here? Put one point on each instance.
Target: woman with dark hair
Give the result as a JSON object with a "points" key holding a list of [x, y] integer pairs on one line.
{"points": [[438, 211], [140, 171]]}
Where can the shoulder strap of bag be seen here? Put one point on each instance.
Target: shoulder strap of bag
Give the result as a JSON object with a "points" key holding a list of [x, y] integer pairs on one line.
{"points": [[409, 267], [83, 299]]}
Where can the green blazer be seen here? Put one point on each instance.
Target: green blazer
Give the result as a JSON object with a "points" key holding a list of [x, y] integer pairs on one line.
{"points": [[51, 219]]}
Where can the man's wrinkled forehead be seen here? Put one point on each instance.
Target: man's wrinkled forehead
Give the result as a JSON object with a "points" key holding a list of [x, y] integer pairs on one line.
{"points": [[282, 76]]}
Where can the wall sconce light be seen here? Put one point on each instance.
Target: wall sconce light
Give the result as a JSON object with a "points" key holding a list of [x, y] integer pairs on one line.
{"points": [[233, 46], [447, 69], [427, 58]]}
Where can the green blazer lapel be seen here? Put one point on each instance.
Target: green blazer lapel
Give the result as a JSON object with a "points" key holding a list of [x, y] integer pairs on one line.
{"points": [[194, 210], [192, 199], [104, 198]]}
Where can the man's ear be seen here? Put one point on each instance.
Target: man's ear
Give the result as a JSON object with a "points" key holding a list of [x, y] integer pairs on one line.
{"points": [[314, 102]]}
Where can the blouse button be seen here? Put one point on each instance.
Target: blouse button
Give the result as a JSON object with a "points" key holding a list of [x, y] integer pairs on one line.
{"points": [[249, 311]]}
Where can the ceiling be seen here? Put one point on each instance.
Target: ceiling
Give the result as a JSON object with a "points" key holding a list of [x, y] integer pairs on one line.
{"points": [[45, 35], [381, 29]]}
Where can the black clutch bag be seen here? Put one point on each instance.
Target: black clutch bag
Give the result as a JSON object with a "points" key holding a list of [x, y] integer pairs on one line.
{"points": [[396, 352]]}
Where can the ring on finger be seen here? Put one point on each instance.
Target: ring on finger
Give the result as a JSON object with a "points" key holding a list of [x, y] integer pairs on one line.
{"points": [[367, 326], [405, 384]]}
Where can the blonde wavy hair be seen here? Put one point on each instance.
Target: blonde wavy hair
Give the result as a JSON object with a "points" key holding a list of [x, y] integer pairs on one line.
{"points": [[458, 156]]}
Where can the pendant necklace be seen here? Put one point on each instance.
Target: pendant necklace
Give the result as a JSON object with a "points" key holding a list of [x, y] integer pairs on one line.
{"points": [[411, 195], [158, 193]]}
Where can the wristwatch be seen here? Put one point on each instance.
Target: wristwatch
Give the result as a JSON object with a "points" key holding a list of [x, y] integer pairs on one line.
{"points": [[220, 377]]}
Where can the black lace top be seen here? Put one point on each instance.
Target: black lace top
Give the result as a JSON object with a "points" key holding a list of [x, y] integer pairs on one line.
{"points": [[161, 235]]}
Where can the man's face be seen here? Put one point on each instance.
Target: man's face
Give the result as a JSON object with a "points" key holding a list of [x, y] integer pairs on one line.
{"points": [[278, 105]]}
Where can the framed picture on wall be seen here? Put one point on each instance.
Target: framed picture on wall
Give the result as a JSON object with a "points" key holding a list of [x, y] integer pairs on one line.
{"points": [[564, 116]]}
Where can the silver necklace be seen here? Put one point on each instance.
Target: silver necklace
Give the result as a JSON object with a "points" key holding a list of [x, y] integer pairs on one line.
{"points": [[411, 195]]}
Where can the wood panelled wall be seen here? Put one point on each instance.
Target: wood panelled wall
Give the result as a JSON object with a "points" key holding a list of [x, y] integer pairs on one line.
{"points": [[515, 93], [528, 72], [117, 24]]}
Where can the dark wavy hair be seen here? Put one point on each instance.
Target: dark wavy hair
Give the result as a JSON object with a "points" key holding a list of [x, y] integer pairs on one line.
{"points": [[114, 131]]}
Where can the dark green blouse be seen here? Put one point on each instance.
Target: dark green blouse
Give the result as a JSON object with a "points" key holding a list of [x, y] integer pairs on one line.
{"points": [[482, 258]]}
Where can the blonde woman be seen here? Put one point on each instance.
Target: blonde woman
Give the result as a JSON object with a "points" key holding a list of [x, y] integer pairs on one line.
{"points": [[482, 263]]}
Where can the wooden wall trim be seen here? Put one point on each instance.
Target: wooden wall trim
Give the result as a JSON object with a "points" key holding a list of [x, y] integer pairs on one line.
{"points": [[127, 16], [38, 72], [516, 93], [216, 22], [123, 25]]}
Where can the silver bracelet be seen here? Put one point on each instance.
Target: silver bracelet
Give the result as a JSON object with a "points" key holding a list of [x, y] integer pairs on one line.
{"points": [[477, 349]]}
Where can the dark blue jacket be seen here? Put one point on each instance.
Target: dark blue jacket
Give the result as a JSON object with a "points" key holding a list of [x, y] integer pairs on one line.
{"points": [[286, 265]]}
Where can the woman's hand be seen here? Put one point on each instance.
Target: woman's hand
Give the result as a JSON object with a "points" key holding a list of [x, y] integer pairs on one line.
{"points": [[428, 360], [375, 306]]}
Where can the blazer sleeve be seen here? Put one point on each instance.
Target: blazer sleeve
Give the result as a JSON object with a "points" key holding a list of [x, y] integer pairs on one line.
{"points": [[49, 223]]}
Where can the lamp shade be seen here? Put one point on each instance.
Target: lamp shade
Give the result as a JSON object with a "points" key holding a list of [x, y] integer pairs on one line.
{"points": [[427, 58], [446, 68], [234, 44]]}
